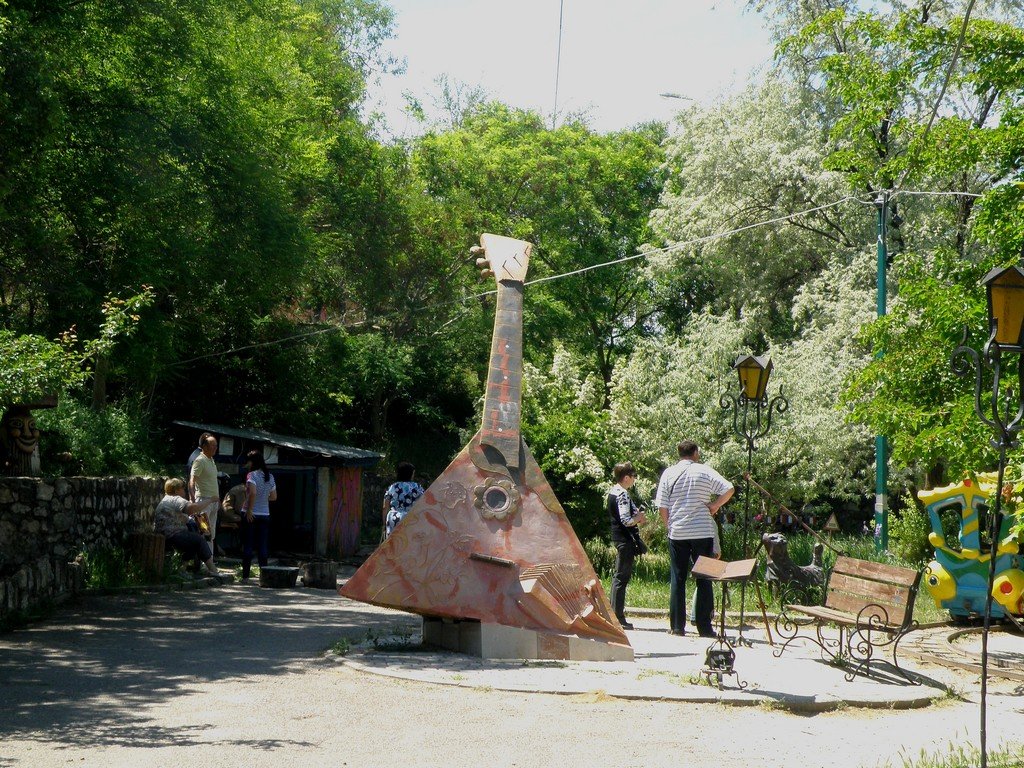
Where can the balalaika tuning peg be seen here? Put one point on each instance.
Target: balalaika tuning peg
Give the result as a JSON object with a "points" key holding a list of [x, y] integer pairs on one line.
{"points": [[476, 250], [485, 267]]}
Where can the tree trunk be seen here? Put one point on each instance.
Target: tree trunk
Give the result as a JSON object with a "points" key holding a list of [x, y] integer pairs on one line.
{"points": [[99, 382]]}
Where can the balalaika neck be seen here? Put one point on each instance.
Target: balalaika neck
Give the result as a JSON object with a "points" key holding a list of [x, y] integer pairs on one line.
{"points": [[502, 402]]}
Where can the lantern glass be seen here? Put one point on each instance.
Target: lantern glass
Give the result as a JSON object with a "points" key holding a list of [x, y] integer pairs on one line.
{"points": [[1005, 289], [754, 373]]}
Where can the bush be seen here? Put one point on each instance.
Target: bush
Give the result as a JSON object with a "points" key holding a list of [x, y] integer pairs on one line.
{"points": [[908, 535], [602, 557], [112, 441]]}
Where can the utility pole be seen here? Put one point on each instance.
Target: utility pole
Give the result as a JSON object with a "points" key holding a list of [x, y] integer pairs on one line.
{"points": [[881, 447]]}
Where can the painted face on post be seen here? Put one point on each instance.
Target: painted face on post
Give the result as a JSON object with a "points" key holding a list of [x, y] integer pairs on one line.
{"points": [[20, 427]]}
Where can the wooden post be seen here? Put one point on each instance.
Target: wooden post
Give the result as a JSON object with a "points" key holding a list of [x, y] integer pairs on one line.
{"points": [[320, 575], [147, 550]]}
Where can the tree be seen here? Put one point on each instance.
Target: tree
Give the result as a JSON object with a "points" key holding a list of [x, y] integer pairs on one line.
{"points": [[187, 145], [580, 197], [882, 75], [755, 157]]}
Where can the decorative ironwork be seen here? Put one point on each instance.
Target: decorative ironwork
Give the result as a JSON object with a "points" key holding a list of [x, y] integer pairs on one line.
{"points": [[1002, 413], [719, 661], [751, 420]]}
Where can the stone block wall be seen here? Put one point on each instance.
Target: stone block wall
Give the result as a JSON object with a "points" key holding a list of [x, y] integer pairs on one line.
{"points": [[46, 522]]}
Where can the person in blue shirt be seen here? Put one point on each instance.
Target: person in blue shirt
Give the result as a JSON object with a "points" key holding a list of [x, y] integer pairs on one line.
{"points": [[400, 496]]}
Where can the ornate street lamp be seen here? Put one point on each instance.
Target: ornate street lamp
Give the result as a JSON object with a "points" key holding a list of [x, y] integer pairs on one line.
{"points": [[1002, 410], [751, 419]]}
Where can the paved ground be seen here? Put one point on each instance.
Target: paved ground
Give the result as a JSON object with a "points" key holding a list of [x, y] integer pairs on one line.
{"points": [[238, 675]]}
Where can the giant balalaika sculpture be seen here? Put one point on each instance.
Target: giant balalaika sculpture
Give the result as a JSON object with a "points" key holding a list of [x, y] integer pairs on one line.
{"points": [[489, 542]]}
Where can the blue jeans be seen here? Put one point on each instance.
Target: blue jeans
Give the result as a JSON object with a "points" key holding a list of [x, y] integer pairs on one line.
{"points": [[682, 555], [254, 535]]}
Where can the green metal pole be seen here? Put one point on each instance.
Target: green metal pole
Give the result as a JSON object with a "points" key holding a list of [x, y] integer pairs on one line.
{"points": [[881, 448]]}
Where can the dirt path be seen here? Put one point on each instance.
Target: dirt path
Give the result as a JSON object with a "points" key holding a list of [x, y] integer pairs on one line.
{"points": [[236, 676]]}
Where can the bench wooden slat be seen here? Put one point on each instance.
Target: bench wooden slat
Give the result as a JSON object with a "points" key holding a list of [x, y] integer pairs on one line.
{"points": [[837, 617], [853, 605], [892, 574], [825, 613], [886, 594]]}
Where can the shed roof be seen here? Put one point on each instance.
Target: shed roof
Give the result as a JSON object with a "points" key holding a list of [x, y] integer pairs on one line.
{"points": [[348, 455]]}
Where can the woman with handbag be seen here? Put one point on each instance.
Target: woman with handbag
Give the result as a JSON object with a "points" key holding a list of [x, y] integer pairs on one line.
{"points": [[175, 519], [625, 517]]}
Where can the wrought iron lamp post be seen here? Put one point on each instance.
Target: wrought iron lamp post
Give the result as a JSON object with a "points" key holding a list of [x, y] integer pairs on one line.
{"points": [[1002, 410], [751, 419]]}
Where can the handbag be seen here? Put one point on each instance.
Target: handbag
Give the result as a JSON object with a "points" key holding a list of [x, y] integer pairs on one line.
{"points": [[203, 521]]}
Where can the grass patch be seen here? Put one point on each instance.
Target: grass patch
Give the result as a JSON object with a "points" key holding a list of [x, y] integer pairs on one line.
{"points": [[649, 587], [961, 757], [110, 568], [254, 572], [342, 647]]}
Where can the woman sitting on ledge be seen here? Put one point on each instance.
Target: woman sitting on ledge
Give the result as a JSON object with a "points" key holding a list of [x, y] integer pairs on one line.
{"points": [[172, 518]]}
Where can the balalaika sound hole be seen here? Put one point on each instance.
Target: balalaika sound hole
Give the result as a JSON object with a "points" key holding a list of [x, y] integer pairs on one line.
{"points": [[497, 499]]}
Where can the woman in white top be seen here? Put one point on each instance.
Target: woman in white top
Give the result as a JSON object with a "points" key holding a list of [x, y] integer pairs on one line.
{"points": [[260, 489]]}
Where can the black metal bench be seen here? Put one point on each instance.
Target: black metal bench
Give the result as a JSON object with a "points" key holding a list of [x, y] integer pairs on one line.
{"points": [[872, 604]]}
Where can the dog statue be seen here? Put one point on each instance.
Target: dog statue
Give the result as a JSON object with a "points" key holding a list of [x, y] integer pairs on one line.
{"points": [[782, 571]]}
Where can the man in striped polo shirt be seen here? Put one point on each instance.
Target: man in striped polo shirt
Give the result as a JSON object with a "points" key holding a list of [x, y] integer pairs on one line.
{"points": [[689, 495]]}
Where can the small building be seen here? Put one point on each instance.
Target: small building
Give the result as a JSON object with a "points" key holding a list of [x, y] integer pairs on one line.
{"points": [[319, 507]]}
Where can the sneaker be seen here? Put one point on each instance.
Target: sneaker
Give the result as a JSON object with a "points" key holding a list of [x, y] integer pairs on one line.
{"points": [[625, 624], [678, 632]]}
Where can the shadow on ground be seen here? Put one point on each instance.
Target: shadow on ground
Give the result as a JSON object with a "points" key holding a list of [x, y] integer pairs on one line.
{"points": [[91, 673]]}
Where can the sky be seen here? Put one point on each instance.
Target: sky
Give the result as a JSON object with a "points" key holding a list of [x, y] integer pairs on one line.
{"points": [[617, 56]]}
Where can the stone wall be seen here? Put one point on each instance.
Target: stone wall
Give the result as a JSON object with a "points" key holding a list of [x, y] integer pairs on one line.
{"points": [[46, 522]]}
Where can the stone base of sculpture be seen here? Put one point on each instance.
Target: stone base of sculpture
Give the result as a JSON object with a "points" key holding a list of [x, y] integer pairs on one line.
{"points": [[497, 641]]}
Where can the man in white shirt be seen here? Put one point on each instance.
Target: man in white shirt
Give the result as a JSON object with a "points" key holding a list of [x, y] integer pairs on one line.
{"points": [[202, 482], [689, 495]]}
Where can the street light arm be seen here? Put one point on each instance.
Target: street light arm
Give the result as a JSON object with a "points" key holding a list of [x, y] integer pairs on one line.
{"points": [[1005, 418]]}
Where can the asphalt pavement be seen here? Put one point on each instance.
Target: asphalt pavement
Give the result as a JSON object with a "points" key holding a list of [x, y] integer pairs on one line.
{"points": [[237, 674]]}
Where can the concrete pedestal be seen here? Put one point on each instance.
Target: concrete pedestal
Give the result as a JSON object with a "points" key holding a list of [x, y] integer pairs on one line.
{"points": [[496, 641]]}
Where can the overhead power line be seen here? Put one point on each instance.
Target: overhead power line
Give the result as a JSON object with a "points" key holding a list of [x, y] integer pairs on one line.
{"points": [[673, 248]]}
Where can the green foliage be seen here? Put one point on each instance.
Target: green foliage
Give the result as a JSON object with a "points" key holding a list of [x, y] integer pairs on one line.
{"points": [[958, 756], [110, 568], [565, 427], [35, 368], [908, 535], [751, 158], [84, 441], [582, 198], [878, 74], [912, 394], [601, 555]]}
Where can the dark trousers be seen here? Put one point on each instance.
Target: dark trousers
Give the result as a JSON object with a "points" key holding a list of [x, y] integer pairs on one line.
{"points": [[682, 555], [255, 536], [624, 559], [191, 545]]}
